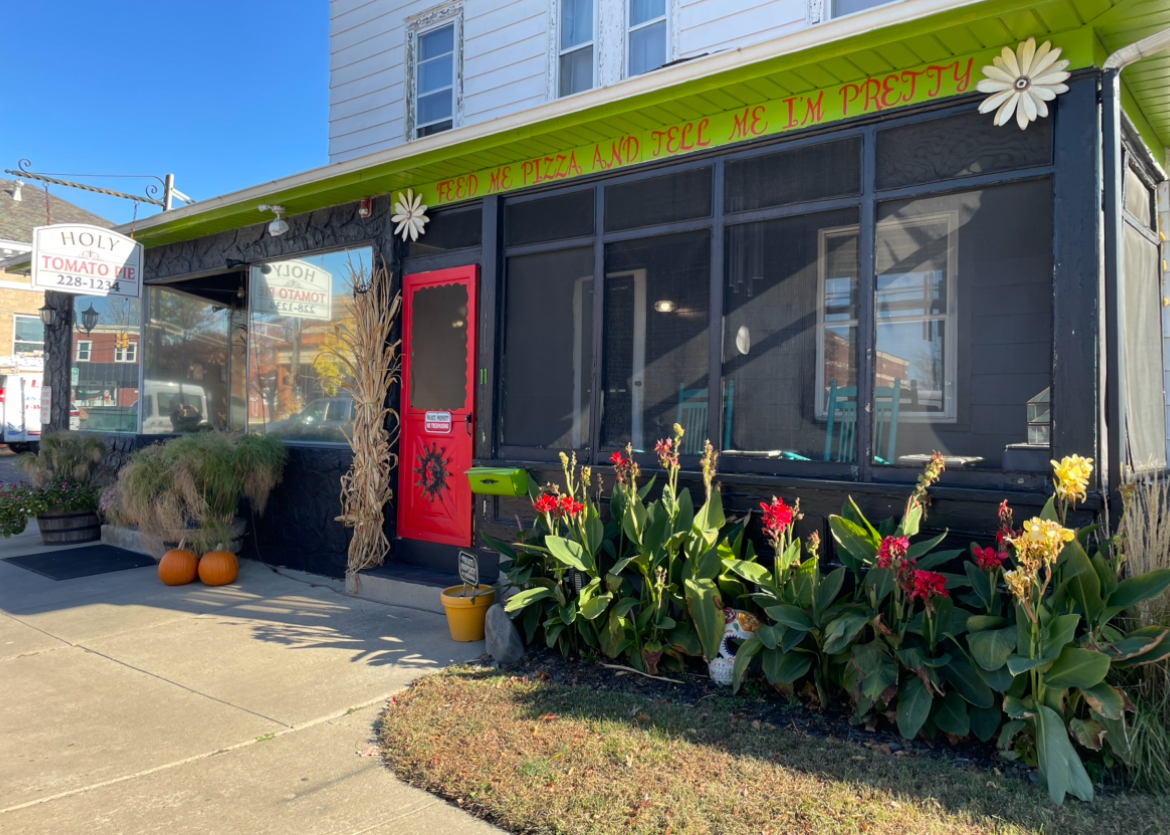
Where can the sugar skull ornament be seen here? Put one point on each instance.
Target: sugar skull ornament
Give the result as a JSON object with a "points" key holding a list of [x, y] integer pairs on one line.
{"points": [[738, 626]]}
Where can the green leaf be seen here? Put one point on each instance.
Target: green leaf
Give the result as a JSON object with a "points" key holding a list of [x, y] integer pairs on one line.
{"points": [[981, 623], [596, 606], [623, 606], [828, 589], [569, 552], [1116, 735], [1088, 733], [1105, 699], [962, 676], [857, 549], [951, 715], [1049, 512], [753, 572], [1061, 630], [914, 702], [786, 614], [998, 680], [920, 549], [499, 547], [984, 721], [1085, 587], [613, 635], [1017, 664], [936, 559], [980, 583], [1060, 767], [525, 598], [666, 623], [707, 616], [991, 648], [683, 639], [1144, 587], [1156, 649], [840, 632], [743, 658], [785, 667], [1009, 733], [909, 524], [1077, 668], [770, 635]]}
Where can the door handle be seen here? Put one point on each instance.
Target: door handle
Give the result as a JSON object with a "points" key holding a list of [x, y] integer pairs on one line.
{"points": [[468, 422]]}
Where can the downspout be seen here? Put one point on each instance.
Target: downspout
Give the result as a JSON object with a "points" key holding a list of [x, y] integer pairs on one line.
{"points": [[1114, 247]]}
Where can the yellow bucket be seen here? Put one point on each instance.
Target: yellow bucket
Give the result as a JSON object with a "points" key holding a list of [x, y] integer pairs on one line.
{"points": [[465, 613]]}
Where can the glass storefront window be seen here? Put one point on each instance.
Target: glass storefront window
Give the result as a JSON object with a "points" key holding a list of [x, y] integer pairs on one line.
{"points": [[964, 327], [192, 372], [294, 381], [548, 350], [654, 368], [103, 390], [789, 335]]}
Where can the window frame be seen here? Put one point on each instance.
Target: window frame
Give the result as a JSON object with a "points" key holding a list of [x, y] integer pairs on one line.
{"points": [[88, 344], [424, 24], [128, 354], [630, 28], [829, 13], [16, 340], [558, 52]]}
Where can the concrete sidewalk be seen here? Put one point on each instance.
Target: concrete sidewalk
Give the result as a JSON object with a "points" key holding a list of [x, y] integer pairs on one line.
{"points": [[130, 707]]}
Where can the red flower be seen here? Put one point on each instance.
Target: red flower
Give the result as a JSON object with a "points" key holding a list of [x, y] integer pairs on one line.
{"points": [[545, 504], [777, 518], [667, 452], [624, 468], [892, 551], [929, 585], [616, 459], [989, 559], [569, 508]]}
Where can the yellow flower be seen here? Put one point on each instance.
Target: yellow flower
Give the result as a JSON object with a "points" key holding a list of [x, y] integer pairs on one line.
{"points": [[1019, 583], [1072, 477], [1042, 541]]}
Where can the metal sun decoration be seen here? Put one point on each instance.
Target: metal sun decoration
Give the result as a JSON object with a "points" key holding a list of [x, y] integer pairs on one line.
{"points": [[410, 215], [1023, 82]]}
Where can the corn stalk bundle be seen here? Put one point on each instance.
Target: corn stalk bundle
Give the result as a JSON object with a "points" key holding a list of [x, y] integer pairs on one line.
{"points": [[371, 363]]}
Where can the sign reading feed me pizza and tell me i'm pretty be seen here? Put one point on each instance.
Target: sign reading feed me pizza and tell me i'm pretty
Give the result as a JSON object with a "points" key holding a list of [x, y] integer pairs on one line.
{"points": [[86, 260]]}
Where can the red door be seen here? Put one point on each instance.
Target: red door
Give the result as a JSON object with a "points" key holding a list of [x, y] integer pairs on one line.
{"points": [[438, 415]]}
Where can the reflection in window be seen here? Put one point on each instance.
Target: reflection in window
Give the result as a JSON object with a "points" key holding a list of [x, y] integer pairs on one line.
{"points": [[548, 350], [575, 47], [654, 370], [647, 35], [192, 377], [104, 385], [294, 380], [789, 332], [963, 300], [28, 337]]}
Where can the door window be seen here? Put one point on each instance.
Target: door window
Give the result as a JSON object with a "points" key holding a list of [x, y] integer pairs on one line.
{"points": [[439, 348]]}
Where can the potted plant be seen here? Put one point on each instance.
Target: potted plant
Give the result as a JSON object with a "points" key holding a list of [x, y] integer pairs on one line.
{"points": [[64, 492], [188, 489]]}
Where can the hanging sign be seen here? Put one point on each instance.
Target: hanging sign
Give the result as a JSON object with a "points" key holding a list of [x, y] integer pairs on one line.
{"points": [[295, 289], [437, 423], [469, 569], [86, 260]]}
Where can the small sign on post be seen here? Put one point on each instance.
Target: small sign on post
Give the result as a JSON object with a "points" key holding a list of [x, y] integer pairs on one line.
{"points": [[469, 569], [46, 403]]}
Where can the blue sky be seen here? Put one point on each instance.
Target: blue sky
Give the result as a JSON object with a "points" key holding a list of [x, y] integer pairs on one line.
{"points": [[224, 94]]}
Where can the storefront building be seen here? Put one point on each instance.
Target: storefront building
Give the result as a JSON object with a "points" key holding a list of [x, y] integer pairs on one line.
{"points": [[818, 254]]}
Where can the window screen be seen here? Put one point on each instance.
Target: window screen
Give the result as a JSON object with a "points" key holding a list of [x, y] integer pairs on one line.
{"points": [[439, 348], [550, 218], [811, 173], [682, 196], [789, 334], [548, 350], [1145, 405], [449, 230], [654, 371], [958, 146], [964, 328], [1139, 200]]}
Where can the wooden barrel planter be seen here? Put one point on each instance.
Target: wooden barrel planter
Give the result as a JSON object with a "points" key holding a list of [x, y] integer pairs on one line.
{"points": [[69, 528], [236, 545]]}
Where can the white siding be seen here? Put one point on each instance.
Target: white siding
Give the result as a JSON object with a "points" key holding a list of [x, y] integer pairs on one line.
{"points": [[506, 59]]}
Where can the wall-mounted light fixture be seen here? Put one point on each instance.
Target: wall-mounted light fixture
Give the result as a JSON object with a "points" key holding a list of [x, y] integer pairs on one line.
{"points": [[664, 306], [279, 226], [48, 315], [89, 320]]}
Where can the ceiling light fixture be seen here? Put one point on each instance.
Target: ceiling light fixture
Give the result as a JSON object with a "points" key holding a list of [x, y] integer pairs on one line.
{"points": [[279, 226], [664, 306]]}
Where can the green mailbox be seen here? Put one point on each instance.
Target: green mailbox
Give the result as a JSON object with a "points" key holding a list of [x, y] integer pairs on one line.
{"points": [[498, 481]]}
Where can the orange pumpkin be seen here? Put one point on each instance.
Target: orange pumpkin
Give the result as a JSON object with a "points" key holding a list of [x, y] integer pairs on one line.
{"points": [[178, 567], [218, 568]]}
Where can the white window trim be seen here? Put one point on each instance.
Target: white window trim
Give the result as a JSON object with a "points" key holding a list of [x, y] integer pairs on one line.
{"points": [[950, 318], [128, 354], [821, 11], [88, 343], [555, 52], [15, 318], [668, 40], [429, 21]]}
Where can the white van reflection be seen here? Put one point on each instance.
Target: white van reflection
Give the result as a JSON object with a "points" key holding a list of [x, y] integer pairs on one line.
{"points": [[173, 407]]}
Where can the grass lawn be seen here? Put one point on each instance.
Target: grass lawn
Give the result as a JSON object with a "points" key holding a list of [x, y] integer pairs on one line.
{"points": [[537, 756]]}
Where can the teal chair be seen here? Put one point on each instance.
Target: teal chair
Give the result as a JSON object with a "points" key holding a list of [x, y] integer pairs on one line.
{"points": [[692, 417], [842, 414]]}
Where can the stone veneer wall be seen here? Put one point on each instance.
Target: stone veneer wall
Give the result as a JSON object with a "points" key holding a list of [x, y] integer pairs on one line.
{"points": [[298, 528]]}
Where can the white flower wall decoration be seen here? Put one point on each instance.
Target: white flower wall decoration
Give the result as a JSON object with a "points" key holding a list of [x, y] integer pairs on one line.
{"points": [[1023, 82], [410, 213]]}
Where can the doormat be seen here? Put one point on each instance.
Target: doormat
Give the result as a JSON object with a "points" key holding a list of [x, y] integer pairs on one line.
{"points": [[82, 562]]}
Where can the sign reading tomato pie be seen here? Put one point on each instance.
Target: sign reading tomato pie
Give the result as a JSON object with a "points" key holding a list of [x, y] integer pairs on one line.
{"points": [[86, 260]]}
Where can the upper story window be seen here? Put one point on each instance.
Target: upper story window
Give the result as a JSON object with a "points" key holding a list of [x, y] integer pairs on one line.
{"points": [[575, 47], [434, 77], [84, 350], [28, 335], [127, 352], [840, 8], [647, 35]]}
